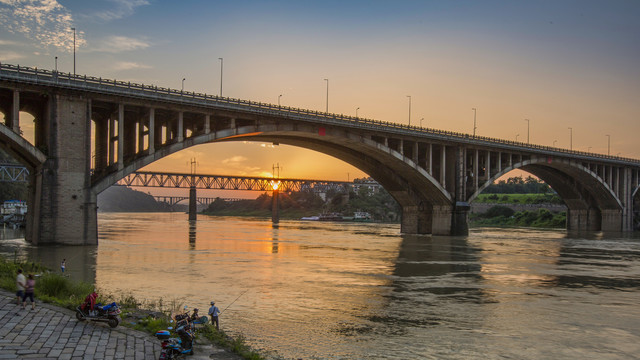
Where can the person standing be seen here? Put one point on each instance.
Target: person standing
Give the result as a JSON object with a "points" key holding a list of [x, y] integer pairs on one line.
{"points": [[63, 265], [214, 312], [21, 282], [28, 292]]}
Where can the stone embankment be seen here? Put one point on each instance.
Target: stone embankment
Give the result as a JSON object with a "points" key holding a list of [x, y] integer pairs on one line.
{"points": [[51, 332]]}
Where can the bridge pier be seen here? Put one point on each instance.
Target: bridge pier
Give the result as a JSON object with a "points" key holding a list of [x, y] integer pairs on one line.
{"points": [[193, 205], [275, 207], [62, 206], [435, 220], [583, 219]]}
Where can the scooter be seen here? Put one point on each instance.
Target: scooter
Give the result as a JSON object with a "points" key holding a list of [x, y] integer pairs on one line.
{"points": [[173, 348], [108, 313]]}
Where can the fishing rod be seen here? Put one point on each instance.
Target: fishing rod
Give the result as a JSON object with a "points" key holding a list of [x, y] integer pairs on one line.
{"points": [[234, 301]]}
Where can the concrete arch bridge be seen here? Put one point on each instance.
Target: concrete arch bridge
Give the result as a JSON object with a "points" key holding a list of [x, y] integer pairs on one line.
{"points": [[433, 174]]}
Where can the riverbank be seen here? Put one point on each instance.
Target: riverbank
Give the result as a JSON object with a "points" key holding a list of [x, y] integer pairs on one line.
{"points": [[62, 295]]}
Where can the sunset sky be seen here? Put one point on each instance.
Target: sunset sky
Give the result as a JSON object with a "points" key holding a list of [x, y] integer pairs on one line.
{"points": [[558, 63]]}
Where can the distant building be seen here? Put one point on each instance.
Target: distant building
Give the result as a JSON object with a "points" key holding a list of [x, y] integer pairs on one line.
{"points": [[368, 183]]}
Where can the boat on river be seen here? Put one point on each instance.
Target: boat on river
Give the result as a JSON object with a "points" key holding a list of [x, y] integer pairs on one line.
{"points": [[358, 216]]}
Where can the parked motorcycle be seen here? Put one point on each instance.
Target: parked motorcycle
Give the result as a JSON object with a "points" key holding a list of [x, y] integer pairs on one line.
{"points": [[174, 348], [89, 310]]}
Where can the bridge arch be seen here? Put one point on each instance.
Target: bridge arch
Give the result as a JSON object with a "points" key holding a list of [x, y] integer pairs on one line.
{"points": [[419, 194], [21, 149], [591, 203]]}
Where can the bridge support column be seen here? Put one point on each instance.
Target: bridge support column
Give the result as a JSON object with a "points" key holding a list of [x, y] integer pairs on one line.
{"points": [[583, 220], [62, 207], [193, 205], [612, 220], [275, 207], [436, 220], [460, 219]]}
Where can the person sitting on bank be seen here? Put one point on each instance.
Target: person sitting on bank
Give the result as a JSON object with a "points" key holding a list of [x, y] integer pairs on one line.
{"points": [[214, 312]]}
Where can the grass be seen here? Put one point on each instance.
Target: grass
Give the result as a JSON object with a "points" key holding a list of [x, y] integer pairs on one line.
{"points": [[61, 291]]}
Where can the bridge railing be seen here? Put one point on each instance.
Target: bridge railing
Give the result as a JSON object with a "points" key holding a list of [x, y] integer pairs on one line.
{"points": [[98, 84]]}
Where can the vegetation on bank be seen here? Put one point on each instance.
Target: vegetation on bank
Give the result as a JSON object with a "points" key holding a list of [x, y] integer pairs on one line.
{"points": [[504, 216], [379, 204], [149, 317], [519, 199]]}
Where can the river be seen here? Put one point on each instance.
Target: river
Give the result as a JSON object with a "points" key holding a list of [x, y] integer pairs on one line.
{"points": [[317, 290]]}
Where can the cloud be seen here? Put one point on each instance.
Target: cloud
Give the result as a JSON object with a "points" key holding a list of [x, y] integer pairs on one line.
{"points": [[7, 42], [116, 44], [121, 9], [45, 21], [10, 56], [234, 160], [129, 65]]}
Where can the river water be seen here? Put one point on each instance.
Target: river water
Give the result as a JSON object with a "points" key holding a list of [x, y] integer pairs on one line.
{"points": [[316, 290]]}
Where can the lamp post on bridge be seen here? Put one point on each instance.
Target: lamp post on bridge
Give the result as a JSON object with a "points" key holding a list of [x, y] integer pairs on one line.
{"points": [[327, 107], [357, 111], [608, 144], [221, 63], [517, 137], [279, 96], [409, 96], [570, 138], [528, 122], [182, 89], [474, 121], [554, 143], [421, 122], [74, 51]]}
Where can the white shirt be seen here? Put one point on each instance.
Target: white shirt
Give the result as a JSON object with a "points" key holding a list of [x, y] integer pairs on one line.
{"points": [[21, 281]]}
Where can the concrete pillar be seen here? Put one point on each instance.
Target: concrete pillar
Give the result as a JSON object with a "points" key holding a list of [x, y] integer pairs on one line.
{"points": [[611, 220], [207, 124], [460, 219], [431, 159], [476, 172], [120, 136], [15, 112], [152, 131], [193, 205], [443, 169], [101, 144], [180, 126], [583, 220], [275, 207], [63, 208], [441, 218]]}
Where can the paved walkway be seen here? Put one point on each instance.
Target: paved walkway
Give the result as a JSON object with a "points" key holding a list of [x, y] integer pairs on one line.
{"points": [[51, 332]]}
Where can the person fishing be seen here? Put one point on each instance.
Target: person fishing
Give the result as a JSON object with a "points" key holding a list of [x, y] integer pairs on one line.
{"points": [[214, 312]]}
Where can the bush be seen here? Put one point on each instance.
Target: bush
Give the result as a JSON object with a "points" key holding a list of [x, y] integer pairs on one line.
{"points": [[498, 210]]}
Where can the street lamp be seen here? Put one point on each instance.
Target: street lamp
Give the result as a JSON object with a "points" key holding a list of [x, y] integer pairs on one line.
{"points": [[527, 120], [554, 143], [570, 138], [183, 79], [474, 121], [409, 96], [56, 61], [589, 148], [221, 63], [327, 107], [357, 111], [421, 122], [74, 51], [279, 96], [517, 137], [608, 144]]}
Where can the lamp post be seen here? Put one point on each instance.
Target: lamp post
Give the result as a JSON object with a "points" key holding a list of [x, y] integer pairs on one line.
{"points": [[56, 66], [554, 143], [327, 107], [608, 144], [182, 90], [357, 111], [570, 138], [474, 121], [527, 120], [279, 96], [421, 122], [74, 51], [517, 137], [409, 96], [589, 148], [221, 64]]}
